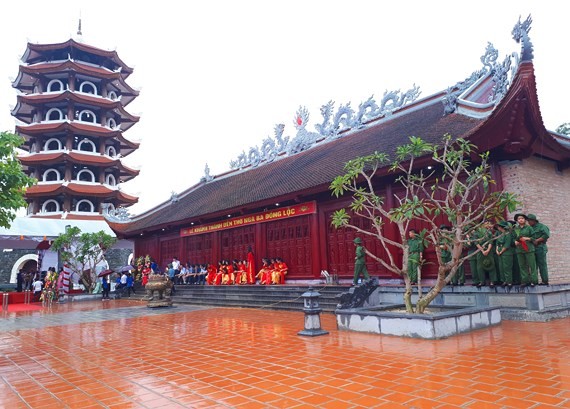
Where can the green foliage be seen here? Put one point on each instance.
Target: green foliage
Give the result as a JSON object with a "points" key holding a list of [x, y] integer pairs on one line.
{"points": [[83, 252], [13, 181], [457, 183]]}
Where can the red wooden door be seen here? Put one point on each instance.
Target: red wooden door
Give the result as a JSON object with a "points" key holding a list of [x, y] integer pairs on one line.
{"points": [[198, 249], [290, 239], [234, 242], [168, 249]]}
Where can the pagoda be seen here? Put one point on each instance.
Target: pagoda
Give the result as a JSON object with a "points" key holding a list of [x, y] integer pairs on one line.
{"points": [[71, 113]]}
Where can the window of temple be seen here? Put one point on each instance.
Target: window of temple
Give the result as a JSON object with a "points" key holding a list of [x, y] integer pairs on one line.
{"points": [[54, 114], [51, 175], [112, 95], [111, 123], [84, 205], [85, 175], [52, 144], [50, 206], [87, 116], [87, 146], [111, 181], [55, 86], [111, 151], [88, 88]]}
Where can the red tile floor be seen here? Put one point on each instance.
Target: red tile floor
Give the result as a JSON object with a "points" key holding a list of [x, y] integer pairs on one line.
{"points": [[120, 354]]}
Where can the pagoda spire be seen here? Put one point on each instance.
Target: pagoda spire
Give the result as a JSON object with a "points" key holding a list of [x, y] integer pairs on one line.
{"points": [[79, 33]]}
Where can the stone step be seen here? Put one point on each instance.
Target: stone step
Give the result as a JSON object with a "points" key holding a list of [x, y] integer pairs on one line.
{"points": [[272, 297]]}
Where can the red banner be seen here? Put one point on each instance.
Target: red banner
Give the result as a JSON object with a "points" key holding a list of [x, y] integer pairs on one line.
{"points": [[270, 215]]}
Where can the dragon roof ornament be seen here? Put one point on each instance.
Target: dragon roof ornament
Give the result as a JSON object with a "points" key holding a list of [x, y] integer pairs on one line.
{"points": [[333, 125], [119, 215], [502, 73]]}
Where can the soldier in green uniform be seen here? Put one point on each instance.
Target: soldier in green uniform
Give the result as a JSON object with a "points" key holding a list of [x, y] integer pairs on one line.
{"points": [[505, 250], [359, 261], [445, 244], [416, 249], [525, 251], [540, 235], [485, 258], [471, 248]]}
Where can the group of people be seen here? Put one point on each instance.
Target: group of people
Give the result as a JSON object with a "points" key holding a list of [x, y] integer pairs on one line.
{"points": [[237, 272], [511, 253], [508, 253]]}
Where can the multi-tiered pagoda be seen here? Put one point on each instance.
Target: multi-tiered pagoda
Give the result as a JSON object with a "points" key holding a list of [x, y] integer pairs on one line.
{"points": [[71, 109]]}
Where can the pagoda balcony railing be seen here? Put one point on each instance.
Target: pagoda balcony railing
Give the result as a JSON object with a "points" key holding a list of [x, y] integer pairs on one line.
{"points": [[55, 62]]}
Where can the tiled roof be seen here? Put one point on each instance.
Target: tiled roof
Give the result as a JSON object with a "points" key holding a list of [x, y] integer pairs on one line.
{"points": [[313, 169]]}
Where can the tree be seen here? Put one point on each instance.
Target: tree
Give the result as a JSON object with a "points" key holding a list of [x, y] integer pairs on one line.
{"points": [[448, 185], [13, 181], [83, 252], [564, 129]]}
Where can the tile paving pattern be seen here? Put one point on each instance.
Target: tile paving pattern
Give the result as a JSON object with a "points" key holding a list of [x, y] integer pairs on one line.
{"points": [[120, 354]]}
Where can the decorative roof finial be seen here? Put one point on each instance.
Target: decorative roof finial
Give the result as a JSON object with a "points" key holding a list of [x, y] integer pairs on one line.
{"points": [[79, 28], [520, 35], [207, 177]]}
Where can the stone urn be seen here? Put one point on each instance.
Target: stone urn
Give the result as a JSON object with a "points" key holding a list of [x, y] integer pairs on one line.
{"points": [[158, 291]]}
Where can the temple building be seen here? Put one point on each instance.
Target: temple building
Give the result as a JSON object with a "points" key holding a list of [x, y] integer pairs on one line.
{"points": [[276, 199], [71, 113]]}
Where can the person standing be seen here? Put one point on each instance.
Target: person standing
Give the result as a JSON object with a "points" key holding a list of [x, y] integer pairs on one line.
{"points": [[130, 284], [540, 235], [485, 257], [37, 288], [359, 261], [105, 286], [505, 251], [415, 256], [525, 251]]}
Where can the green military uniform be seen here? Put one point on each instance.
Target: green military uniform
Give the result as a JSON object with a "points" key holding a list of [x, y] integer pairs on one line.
{"points": [[360, 261], [445, 245], [471, 248], [416, 247], [505, 246], [540, 235], [486, 263], [526, 258]]}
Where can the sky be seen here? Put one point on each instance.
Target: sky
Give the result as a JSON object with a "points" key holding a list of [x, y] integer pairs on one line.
{"points": [[215, 77]]}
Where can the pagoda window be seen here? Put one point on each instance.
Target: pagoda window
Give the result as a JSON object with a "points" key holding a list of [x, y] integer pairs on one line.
{"points": [[87, 146], [84, 205], [111, 123], [50, 206], [51, 175], [52, 144], [55, 86], [87, 116], [111, 151], [88, 87], [85, 175], [112, 95], [111, 181], [54, 114]]}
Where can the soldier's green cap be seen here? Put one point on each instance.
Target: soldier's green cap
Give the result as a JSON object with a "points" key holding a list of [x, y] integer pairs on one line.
{"points": [[357, 240], [504, 224], [531, 216]]}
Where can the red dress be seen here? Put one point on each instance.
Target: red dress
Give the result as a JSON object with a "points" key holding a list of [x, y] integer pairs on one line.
{"points": [[145, 274]]}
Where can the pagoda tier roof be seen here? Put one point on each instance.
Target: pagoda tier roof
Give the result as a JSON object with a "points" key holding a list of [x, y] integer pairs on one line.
{"points": [[101, 161], [27, 77], [37, 52], [55, 127], [68, 216], [24, 108], [512, 128], [79, 189]]}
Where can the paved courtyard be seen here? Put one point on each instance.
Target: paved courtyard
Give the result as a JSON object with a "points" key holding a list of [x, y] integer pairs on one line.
{"points": [[120, 354]]}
